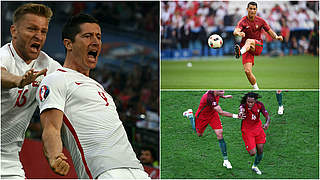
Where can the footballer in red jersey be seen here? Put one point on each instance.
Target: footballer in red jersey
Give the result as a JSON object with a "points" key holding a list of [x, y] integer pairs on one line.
{"points": [[251, 127], [250, 29], [208, 113]]}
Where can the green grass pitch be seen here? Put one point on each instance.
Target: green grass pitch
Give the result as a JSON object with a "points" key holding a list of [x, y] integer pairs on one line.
{"points": [[291, 150], [287, 72]]}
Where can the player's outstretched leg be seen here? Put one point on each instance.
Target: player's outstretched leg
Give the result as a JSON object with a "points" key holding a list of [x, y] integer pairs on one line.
{"points": [[189, 115], [223, 146], [237, 51], [279, 99]]}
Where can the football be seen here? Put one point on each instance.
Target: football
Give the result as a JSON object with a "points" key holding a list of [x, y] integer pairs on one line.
{"points": [[215, 41]]}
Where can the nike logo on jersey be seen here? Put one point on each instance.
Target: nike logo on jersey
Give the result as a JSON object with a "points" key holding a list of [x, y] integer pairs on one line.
{"points": [[77, 83]]}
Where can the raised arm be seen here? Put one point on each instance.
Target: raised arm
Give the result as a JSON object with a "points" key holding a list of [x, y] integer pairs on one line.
{"points": [[9, 80], [225, 113], [51, 121], [274, 35]]}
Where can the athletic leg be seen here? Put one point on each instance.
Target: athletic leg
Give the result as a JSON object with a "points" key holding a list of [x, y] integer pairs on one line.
{"points": [[252, 79], [259, 154], [257, 159], [279, 99], [189, 115], [223, 148], [249, 45], [222, 143]]}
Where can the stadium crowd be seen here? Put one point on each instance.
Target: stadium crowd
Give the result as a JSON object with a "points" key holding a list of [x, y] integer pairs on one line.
{"points": [[188, 24], [135, 90]]}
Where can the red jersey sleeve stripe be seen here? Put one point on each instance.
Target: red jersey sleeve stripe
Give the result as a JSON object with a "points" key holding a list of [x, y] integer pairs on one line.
{"points": [[70, 127], [61, 70]]}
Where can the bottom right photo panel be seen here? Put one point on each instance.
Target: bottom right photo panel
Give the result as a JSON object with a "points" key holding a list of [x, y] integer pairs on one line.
{"points": [[239, 134]]}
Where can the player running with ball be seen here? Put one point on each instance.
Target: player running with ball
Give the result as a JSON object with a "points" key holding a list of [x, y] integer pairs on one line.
{"points": [[251, 127], [250, 29], [208, 113]]}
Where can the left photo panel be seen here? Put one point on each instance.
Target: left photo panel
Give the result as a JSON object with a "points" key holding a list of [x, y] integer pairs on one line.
{"points": [[80, 90]]}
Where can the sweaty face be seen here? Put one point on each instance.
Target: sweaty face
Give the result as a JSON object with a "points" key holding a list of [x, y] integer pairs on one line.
{"points": [[252, 11], [87, 45], [29, 35], [251, 101]]}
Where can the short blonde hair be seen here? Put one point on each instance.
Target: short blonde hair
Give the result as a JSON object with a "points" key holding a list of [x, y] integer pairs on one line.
{"points": [[32, 8]]}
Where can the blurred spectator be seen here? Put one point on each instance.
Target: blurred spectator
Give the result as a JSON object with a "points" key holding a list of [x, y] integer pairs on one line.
{"points": [[303, 18], [185, 35], [303, 45], [285, 32], [148, 157], [314, 39], [236, 16], [293, 46]]}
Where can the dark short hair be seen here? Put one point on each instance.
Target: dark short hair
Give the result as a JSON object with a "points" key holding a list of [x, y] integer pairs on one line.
{"points": [[72, 27], [250, 95], [152, 151], [32, 8], [253, 4]]}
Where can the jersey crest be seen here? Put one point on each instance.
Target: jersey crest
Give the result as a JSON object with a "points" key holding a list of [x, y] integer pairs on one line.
{"points": [[43, 92]]}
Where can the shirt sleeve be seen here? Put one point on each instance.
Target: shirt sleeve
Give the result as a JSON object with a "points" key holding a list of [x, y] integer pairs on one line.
{"points": [[265, 25], [263, 110], [52, 93], [53, 66]]}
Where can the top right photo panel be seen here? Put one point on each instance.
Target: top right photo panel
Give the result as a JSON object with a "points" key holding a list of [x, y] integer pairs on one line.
{"points": [[239, 45]]}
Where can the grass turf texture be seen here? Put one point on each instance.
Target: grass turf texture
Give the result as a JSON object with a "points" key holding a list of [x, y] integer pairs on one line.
{"points": [[288, 72], [291, 150]]}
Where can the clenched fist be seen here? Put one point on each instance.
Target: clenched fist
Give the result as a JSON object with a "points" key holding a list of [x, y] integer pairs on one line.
{"points": [[59, 165]]}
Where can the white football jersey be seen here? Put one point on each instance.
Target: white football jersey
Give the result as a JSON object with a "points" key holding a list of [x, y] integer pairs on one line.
{"points": [[92, 130], [18, 104]]}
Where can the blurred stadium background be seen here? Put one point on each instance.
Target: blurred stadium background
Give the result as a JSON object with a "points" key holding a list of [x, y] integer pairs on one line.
{"points": [[127, 68], [186, 25]]}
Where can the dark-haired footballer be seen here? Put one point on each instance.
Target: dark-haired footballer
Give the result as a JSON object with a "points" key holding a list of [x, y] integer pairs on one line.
{"points": [[250, 29], [251, 127]]}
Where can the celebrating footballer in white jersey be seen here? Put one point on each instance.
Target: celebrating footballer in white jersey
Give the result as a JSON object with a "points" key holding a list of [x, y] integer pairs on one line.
{"points": [[23, 66], [77, 110]]}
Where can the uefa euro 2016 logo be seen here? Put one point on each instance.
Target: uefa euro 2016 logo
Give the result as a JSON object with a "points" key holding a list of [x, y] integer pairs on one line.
{"points": [[43, 92]]}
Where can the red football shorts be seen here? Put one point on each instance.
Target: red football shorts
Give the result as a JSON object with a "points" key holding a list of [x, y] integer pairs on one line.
{"points": [[251, 138], [202, 123], [248, 57]]}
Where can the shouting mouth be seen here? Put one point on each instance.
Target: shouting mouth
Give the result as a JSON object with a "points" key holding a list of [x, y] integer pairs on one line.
{"points": [[92, 55], [35, 47]]}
